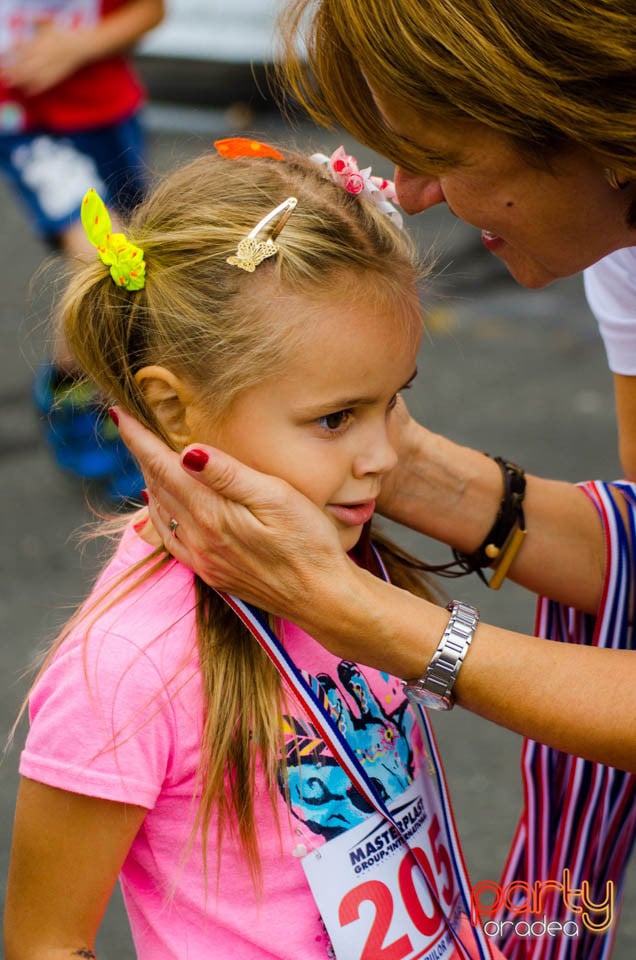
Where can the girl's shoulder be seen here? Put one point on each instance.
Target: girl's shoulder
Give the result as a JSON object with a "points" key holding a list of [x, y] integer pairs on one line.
{"points": [[140, 616], [142, 589], [116, 712]]}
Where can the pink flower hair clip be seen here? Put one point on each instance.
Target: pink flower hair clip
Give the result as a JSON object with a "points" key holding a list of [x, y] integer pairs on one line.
{"points": [[343, 169]]}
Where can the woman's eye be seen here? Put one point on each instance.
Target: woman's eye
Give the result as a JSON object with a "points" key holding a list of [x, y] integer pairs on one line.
{"points": [[334, 421]]}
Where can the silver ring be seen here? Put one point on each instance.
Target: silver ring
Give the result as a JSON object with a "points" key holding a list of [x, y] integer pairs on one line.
{"points": [[172, 525]]}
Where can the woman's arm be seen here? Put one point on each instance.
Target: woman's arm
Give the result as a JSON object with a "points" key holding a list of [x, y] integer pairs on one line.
{"points": [[625, 396], [66, 854], [255, 536], [574, 698], [247, 533], [452, 493]]}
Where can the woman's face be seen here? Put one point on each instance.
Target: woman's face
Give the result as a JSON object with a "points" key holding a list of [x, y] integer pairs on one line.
{"points": [[543, 223]]}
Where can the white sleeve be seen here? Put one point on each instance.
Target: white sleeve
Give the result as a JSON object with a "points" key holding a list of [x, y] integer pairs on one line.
{"points": [[610, 288]]}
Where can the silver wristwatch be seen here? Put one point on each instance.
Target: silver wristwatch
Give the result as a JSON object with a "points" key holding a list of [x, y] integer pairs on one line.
{"points": [[435, 689]]}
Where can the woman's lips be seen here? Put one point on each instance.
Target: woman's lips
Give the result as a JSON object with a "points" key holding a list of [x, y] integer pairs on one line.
{"points": [[352, 514], [491, 240]]}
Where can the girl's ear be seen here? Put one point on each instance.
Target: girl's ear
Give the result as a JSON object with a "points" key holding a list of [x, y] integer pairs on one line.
{"points": [[169, 398]]}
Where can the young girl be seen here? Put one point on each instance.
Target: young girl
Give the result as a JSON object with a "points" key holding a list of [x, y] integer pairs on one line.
{"points": [[256, 796]]}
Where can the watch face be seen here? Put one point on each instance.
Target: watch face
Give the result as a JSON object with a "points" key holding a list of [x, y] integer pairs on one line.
{"points": [[426, 698]]}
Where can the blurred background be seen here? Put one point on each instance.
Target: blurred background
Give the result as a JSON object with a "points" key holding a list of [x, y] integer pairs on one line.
{"points": [[516, 373]]}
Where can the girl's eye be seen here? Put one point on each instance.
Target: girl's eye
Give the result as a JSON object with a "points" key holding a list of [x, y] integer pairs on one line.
{"points": [[335, 421]]}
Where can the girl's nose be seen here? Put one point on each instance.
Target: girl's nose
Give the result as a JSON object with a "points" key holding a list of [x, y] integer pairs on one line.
{"points": [[377, 457], [416, 191]]}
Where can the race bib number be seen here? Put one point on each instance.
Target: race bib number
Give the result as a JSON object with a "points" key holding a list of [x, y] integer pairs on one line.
{"points": [[382, 899]]}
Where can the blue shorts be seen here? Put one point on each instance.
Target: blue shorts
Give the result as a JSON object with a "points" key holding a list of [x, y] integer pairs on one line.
{"points": [[51, 172]]}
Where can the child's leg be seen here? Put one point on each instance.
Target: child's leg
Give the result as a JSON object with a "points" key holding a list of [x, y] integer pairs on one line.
{"points": [[50, 175]]}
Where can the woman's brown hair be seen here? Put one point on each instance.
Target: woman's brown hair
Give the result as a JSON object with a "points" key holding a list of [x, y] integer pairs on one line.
{"points": [[544, 72]]}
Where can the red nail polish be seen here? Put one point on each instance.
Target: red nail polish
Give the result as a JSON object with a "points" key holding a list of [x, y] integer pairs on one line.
{"points": [[145, 497], [195, 460], [112, 413]]}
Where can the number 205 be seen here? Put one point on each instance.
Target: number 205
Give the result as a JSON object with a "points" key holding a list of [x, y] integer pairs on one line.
{"points": [[379, 894]]}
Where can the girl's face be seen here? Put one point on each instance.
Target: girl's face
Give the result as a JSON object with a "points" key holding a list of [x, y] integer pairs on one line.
{"points": [[543, 223], [327, 424]]}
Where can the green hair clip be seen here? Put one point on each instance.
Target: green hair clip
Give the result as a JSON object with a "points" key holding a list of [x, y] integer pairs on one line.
{"points": [[126, 261]]}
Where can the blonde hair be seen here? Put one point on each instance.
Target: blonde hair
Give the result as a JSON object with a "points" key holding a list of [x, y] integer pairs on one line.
{"points": [[544, 72], [211, 323], [221, 330]]}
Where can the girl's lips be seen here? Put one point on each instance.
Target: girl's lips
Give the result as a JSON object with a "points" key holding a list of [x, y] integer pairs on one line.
{"points": [[353, 514], [491, 240]]}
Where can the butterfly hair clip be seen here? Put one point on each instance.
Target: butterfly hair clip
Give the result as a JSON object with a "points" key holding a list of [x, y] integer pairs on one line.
{"points": [[251, 251]]}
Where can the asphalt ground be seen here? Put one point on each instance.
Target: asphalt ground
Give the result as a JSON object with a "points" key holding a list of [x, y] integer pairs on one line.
{"points": [[512, 372]]}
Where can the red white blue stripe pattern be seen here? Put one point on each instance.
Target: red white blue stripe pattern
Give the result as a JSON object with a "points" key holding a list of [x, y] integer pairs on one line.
{"points": [[579, 816]]}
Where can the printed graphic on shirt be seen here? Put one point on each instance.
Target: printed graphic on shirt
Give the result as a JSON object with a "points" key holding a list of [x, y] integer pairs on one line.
{"points": [[19, 21], [381, 730]]}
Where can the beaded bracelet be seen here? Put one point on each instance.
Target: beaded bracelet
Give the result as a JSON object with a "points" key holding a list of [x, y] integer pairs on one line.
{"points": [[503, 542]]}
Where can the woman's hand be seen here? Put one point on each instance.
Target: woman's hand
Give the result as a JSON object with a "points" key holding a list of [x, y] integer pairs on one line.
{"points": [[431, 486], [394, 482], [241, 531]]}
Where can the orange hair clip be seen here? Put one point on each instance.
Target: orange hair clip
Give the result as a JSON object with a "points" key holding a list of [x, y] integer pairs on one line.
{"points": [[234, 148]]}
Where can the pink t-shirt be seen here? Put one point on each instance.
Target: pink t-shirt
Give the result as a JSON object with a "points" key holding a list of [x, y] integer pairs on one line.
{"points": [[118, 715]]}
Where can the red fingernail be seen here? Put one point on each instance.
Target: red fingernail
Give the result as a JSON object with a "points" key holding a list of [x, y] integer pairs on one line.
{"points": [[145, 497], [112, 413], [195, 460]]}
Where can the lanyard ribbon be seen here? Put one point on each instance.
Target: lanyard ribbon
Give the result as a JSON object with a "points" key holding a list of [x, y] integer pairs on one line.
{"points": [[318, 709]]}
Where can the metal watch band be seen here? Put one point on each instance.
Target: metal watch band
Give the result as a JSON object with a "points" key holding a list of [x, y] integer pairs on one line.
{"points": [[446, 662], [434, 689]]}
